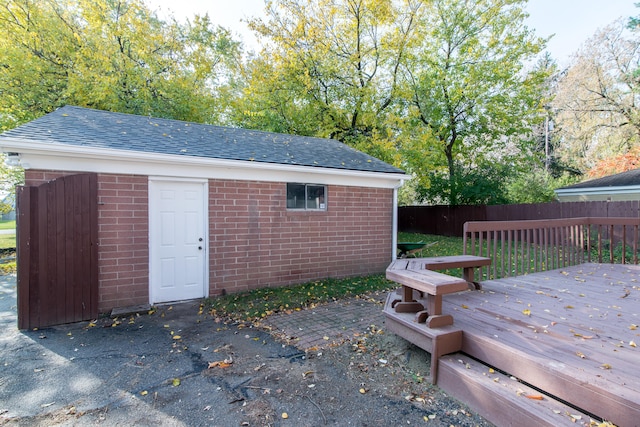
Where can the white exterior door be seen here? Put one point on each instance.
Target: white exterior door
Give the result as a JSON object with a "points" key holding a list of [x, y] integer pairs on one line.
{"points": [[177, 240]]}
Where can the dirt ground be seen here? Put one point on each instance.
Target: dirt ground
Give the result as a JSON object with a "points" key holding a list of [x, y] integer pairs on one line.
{"points": [[181, 367]]}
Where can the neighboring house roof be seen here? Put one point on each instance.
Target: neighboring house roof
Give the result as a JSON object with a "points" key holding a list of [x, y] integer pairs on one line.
{"points": [[623, 179], [84, 127], [613, 186]]}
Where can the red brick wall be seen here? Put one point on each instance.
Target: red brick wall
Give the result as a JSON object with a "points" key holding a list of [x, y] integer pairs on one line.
{"points": [[256, 242], [124, 240], [123, 236]]}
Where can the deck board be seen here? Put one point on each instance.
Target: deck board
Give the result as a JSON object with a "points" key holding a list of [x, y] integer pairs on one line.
{"points": [[569, 331]]}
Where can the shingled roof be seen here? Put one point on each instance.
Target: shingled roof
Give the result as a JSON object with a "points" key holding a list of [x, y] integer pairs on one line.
{"points": [[624, 179], [102, 129]]}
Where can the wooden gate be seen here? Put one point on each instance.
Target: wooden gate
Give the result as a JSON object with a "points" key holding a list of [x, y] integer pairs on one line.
{"points": [[57, 251]]}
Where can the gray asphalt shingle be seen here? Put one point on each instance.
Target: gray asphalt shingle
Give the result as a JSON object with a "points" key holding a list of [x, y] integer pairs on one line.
{"points": [[95, 128], [623, 179]]}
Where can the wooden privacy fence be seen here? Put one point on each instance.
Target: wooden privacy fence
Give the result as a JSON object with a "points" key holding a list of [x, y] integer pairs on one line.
{"points": [[521, 247], [449, 220]]}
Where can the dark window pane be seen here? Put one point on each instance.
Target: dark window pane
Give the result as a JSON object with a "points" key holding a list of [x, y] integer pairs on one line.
{"points": [[295, 196]]}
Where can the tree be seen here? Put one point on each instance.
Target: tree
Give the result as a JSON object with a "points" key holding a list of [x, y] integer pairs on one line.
{"points": [[10, 176], [617, 164], [469, 99], [536, 186], [329, 68], [598, 115], [108, 54]]}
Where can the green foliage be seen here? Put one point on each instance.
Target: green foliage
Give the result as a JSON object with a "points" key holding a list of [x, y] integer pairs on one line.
{"points": [[437, 88], [10, 176], [5, 208], [483, 185], [329, 69], [470, 97], [253, 305], [536, 186], [110, 55]]}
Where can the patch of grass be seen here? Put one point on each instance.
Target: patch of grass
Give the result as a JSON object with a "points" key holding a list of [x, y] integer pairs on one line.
{"points": [[259, 303], [8, 224], [7, 241], [435, 245]]}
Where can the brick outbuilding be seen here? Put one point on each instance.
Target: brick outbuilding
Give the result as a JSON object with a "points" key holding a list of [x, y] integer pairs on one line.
{"points": [[186, 210]]}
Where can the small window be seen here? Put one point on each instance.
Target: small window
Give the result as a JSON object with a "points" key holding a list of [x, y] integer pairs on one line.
{"points": [[306, 197]]}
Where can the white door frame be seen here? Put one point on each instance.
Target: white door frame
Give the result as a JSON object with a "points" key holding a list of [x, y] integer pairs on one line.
{"points": [[205, 226]]}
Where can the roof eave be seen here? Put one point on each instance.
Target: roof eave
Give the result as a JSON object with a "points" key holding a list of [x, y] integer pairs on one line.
{"points": [[598, 190], [48, 156]]}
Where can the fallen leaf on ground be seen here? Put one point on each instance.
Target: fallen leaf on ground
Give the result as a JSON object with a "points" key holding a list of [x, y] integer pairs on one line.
{"points": [[534, 396], [220, 364]]}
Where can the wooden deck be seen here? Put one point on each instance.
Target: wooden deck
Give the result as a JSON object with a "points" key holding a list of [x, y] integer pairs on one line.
{"points": [[571, 333]]}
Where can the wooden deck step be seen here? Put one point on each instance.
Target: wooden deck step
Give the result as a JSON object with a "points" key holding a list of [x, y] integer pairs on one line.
{"points": [[501, 399]]}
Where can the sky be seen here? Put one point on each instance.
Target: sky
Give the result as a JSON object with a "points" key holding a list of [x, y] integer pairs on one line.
{"points": [[571, 21]]}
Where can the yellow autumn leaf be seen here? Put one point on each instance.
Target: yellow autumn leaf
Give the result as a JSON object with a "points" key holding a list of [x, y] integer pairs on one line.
{"points": [[605, 366], [633, 327], [465, 306], [363, 391], [285, 415], [176, 337], [526, 312], [175, 382], [632, 344], [144, 392]]}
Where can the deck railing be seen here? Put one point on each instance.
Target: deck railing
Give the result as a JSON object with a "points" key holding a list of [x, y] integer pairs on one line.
{"points": [[521, 247]]}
